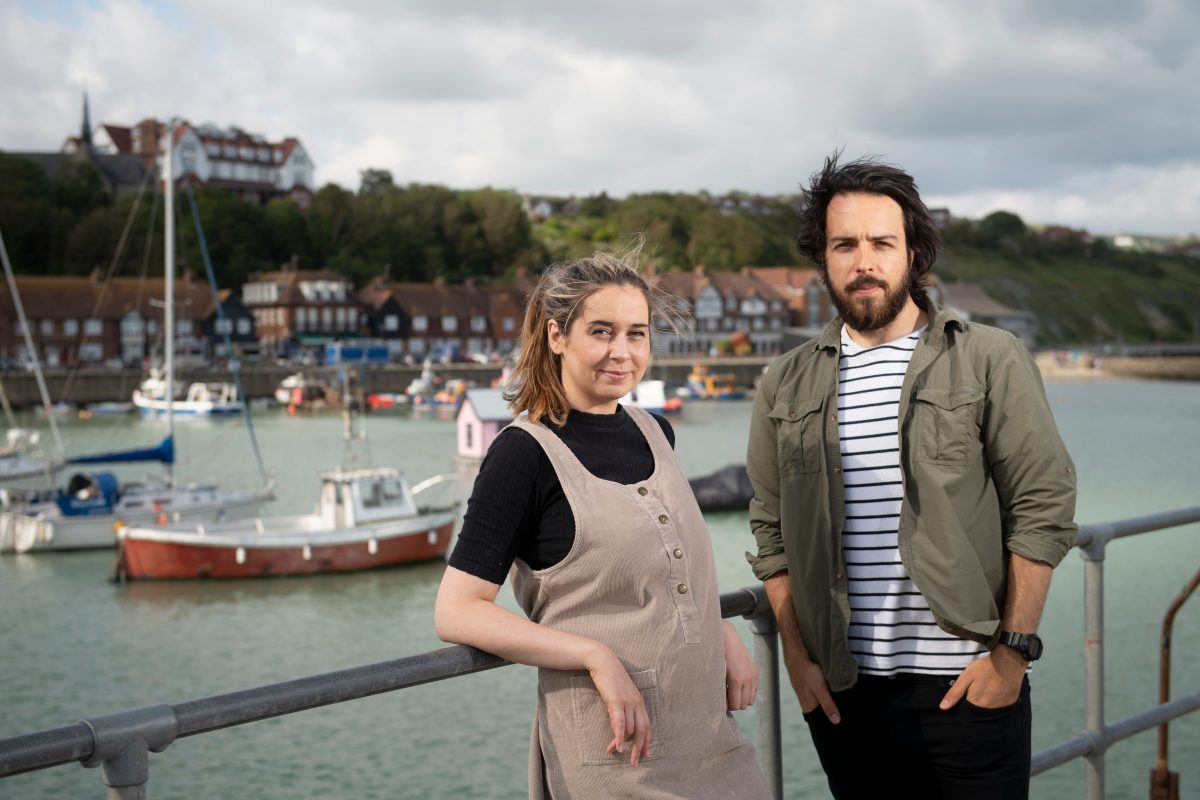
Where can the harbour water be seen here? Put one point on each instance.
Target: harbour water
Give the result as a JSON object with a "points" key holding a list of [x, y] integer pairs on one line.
{"points": [[72, 644]]}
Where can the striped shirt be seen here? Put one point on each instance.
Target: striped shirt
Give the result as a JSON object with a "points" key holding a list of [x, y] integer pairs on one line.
{"points": [[891, 627]]}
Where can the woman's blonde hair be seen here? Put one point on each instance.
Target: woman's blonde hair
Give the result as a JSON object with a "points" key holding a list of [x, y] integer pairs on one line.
{"points": [[535, 385]]}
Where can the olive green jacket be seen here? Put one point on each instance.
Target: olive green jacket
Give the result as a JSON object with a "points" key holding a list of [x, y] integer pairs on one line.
{"points": [[985, 474]]}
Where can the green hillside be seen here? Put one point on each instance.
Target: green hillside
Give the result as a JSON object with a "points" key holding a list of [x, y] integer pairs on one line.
{"points": [[1081, 289]]}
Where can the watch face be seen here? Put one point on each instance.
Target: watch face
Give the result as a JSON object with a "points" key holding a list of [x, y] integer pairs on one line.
{"points": [[1033, 648]]}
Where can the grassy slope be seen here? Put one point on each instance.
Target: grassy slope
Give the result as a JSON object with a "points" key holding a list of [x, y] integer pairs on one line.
{"points": [[1115, 297]]}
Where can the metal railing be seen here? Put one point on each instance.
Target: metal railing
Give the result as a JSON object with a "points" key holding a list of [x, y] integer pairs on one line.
{"points": [[1097, 737], [120, 743]]}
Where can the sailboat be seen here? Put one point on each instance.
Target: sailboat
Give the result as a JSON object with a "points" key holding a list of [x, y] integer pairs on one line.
{"points": [[22, 464], [86, 512]]}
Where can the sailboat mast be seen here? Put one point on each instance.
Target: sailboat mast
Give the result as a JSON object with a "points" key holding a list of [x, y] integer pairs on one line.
{"points": [[169, 286], [31, 347]]}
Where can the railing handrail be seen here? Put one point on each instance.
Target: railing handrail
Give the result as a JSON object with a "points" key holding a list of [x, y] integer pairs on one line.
{"points": [[63, 745], [119, 742]]}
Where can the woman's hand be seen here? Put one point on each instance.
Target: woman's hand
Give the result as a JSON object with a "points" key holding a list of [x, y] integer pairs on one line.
{"points": [[741, 674], [626, 708]]}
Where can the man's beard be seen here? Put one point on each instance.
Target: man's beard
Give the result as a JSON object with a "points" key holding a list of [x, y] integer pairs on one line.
{"points": [[871, 313]]}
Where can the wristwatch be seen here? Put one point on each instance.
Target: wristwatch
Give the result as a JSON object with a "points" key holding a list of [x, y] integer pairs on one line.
{"points": [[1029, 645]]}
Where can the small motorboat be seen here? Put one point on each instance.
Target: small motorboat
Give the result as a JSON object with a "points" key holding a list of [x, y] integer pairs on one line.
{"points": [[652, 396], [367, 518]]}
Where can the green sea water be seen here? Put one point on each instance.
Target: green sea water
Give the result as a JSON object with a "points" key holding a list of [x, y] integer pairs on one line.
{"points": [[73, 645]]}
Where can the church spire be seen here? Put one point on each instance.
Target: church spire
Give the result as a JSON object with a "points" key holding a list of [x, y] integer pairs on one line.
{"points": [[85, 132]]}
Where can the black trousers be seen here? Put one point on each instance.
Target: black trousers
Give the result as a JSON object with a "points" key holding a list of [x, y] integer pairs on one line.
{"points": [[894, 742]]}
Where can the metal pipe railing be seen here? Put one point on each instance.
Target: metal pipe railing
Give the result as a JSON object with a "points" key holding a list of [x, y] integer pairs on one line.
{"points": [[120, 743]]}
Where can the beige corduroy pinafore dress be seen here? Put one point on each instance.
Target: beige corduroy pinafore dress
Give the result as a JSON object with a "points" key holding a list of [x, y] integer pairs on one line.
{"points": [[639, 578]]}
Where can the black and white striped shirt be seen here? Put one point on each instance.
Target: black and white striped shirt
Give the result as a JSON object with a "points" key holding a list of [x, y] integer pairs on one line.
{"points": [[891, 627]]}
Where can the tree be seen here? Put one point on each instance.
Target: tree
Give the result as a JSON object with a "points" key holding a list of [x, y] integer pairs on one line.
{"points": [[375, 181], [1000, 226]]}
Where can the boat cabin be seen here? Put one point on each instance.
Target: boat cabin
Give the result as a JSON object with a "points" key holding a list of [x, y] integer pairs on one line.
{"points": [[89, 493], [355, 497]]}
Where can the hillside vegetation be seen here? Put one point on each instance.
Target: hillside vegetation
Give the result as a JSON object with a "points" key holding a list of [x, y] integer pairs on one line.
{"points": [[1081, 289]]}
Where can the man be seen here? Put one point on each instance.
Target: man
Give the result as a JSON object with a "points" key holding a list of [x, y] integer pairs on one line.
{"points": [[912, 496]]}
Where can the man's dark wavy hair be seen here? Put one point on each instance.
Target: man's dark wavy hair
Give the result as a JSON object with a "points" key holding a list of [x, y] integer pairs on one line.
{"points": [[871, 176]]}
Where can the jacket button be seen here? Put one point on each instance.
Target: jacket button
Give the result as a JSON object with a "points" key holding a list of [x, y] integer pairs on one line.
{"points": [[677, 552], [682, 588], [838, 470], [643, 491], [664, 519]]}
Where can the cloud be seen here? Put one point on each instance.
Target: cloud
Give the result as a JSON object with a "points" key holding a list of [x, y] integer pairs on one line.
{"points": [[1051, 108]]}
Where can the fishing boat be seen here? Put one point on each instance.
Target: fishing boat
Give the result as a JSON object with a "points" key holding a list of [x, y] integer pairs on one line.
{"points": [[366, 518], [86, 512]]}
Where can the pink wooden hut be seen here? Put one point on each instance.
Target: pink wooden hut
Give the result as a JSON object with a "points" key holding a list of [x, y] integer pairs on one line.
{"points": [[482, 415]]}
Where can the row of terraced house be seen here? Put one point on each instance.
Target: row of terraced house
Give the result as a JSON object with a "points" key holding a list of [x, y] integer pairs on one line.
{"points": [[118, 321]]}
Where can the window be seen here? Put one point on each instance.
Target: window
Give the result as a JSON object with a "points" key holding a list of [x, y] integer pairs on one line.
{"points": [[183, 327], [47, 327], [243, 327], [391, 323], [91, 351], [131, 323], [151, 326], [509, 324], [92, 327], [20, 328], [326, 318], [731, 303], [478, 324], [70, 327], [341, 319], [420, 323], [224, 327], [449, 322]]}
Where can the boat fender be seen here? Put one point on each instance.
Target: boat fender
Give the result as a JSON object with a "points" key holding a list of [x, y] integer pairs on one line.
{"points": [[306, 553], [240, 555], [372, 546]]}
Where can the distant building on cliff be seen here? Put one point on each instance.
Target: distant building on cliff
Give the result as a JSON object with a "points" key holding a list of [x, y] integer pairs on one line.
{"points": [[232, 159]]}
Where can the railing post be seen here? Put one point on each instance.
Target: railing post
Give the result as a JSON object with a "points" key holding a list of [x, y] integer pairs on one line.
{"points": [[122, 745], [1093, 644], [766, 653]]}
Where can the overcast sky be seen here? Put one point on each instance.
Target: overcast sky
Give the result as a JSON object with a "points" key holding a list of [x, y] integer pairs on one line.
{"points": [[1080, 112]]}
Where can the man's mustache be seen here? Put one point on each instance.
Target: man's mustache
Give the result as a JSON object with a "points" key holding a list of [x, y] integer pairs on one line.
{"points": [[865, 282]]}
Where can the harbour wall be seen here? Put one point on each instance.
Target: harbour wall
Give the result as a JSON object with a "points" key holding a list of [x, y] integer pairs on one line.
{"points": [[99, 384]]}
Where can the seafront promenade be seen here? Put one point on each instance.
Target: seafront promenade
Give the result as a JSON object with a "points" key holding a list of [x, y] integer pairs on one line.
{"points": [[98, 384]]}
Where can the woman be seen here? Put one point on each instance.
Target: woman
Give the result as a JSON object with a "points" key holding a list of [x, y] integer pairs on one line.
{"points": [[614, 568]]}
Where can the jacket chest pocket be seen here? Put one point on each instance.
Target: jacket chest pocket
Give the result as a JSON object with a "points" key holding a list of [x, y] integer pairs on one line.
{"points": [[798, 433], [947, 423]]}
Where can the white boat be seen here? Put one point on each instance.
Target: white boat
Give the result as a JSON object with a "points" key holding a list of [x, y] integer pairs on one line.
{"points": [[367, 518], [22, 465], [85, 514], [88, 510], [652, 396], [200, 400]]}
